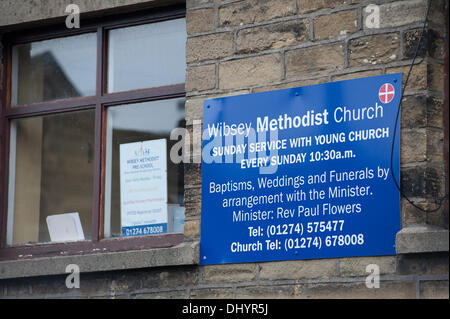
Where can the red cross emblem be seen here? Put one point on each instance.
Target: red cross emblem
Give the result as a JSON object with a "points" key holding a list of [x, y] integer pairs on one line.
{"points": [[386, 93]]}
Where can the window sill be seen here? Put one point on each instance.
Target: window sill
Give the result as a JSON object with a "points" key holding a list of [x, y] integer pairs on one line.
{"points": [[182, 254], [421, 238]]}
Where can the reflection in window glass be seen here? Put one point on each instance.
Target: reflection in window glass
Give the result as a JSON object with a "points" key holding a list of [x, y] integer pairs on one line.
{"points": [[53, 69], [147, 56], [144, 189], [51, 173]]}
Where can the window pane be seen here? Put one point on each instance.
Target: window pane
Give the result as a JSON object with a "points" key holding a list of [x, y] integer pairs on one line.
{"points": [[147, 56], [144, 188], [51, 173], [54, 69]]}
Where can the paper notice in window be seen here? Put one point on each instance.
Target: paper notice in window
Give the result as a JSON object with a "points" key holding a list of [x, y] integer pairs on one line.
{"points": [[65, 227], [143, 188]]}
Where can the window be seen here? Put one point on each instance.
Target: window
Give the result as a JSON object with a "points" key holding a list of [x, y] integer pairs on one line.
{"points": [[134, 69], [53, 69], [86, 120], [129, 125], [51, 170]]}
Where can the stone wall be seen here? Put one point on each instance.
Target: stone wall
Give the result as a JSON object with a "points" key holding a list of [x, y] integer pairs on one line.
{"points": [[237, 47], [408, 276], [245, 46]]}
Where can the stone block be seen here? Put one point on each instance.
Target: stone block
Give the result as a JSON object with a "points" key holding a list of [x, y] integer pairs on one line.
{"points": [[421, 239], [355, 75], [434, 289], [435, 77], [17, 288], [201, 20], [356, 266], [336, 24], [272, 36], [200, 78], [212, 293], [417, 79], [209, 47], [289, 85], [267, 292], [192, 229], [170, 277], [172, 294], [251, 11], [416, 263], [229, 272], [435, 108], [421, 181], [306, 6], [357, 290], [193, 201], [414, 111], [316, 60], [297, 269], [413, 146], [435, 145], [248, 72], [412, 215], [374, 49], [432, 44], [192, 174]]}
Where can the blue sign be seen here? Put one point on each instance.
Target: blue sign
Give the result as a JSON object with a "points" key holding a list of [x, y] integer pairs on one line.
{"points": [[301, 173]]}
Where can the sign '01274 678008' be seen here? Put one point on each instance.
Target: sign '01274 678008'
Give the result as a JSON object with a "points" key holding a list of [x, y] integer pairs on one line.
{"points": [[301, 173]]}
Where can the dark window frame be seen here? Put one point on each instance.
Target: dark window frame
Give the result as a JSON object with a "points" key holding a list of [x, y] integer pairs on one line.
{"points": [[100, 102]]}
